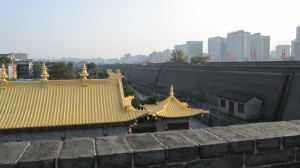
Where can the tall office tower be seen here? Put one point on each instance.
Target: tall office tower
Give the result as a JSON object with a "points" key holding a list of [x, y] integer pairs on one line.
{"points": [[260, 47], [238, 46], [181, 47], [194, 48], [217, 49], [296, 45], [283, 51]]}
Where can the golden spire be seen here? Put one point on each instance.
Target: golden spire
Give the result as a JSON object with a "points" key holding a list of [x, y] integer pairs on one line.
{"points": [[44, 75], [171, 91], [3, 74], [84, 73]]}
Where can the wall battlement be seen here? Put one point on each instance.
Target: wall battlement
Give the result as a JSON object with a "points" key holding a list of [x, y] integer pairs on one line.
{"points": [[271, 145]]}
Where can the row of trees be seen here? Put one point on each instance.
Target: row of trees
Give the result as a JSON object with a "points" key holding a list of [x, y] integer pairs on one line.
{"points": [[178, 56], [61, 70], [4, 59]]}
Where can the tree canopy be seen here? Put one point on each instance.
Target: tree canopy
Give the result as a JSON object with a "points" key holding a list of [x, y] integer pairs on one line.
{"points": [[199, 59], [36, 71], [151, 99], [4, 59], [178, 56], [61, 70]]}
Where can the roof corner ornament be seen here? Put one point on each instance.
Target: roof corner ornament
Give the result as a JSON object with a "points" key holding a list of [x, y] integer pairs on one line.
{"points": [[84, 73], [171, 92], [3, 73], [117, 75], [44, 75]]}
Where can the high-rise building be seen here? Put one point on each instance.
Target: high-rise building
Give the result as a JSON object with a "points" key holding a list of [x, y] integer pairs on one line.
{"points": [[296, 45], [181, 47], [217, 47], [194, 47], [283, 51], [260, 47], [238, 46], [273, 54], [159, 57]]}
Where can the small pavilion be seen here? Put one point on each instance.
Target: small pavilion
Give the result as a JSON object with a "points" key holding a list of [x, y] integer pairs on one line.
{"points": [[173, 112]]}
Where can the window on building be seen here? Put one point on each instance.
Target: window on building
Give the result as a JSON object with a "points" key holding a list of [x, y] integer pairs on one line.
{"points": [[223, 103], [241, 108]]}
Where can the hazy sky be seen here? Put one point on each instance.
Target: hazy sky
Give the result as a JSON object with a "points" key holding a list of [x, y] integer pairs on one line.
{"points": [[111, 28]]}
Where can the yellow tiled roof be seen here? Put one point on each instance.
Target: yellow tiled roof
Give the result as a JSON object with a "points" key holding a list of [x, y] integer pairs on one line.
{"points": [[172, 108], [65, 102]]}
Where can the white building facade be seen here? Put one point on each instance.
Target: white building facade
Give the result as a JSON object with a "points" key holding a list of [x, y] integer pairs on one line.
{"points": [[238, 46], [296, 45], [217, 47], [260, 47]]}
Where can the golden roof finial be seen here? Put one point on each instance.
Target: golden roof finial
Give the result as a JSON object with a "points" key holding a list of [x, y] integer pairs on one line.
{"points": [[44, 75], [84, 73], [171, 91], [3, 74]]}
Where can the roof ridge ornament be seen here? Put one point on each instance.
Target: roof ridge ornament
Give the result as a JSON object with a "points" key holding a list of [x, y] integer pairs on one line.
{"points": [[172, 92], [118, 75], [45, 74], [3, 74], [84, 73]]}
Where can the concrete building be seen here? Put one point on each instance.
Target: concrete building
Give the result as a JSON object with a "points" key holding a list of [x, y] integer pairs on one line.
{"points": [[126, 59], [21, 56], [273, 54], [238, 46], [260, 47], [159, 57], [12, 71], [240, 104], [217, 47], [182, 47], [296, 45], [283, 51], [194, 47], [24, 69]]}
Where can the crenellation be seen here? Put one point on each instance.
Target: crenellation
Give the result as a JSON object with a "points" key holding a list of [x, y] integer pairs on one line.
{"points": [[77, 153], [238, 143], [272, 157], [40, 154], [113, 152], [147, 150], [211, 146], [180, 149], [265, 141]]}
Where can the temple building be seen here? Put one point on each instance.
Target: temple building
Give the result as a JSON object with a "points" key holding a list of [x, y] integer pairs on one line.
{"points": [[173, 112], [64, 108], [59, 109]]}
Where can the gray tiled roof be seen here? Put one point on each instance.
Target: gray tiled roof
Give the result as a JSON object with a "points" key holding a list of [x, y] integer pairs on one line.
{"points": [[235, 95]]}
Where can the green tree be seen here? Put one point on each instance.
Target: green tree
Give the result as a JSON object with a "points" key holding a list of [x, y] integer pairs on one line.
{"points": [[178, 56], [61, 70], [4, 59], [151, 99], [36, 70], [129, 91], [93, 70], [199, 59]]}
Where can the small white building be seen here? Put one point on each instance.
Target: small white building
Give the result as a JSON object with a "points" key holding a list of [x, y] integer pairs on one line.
{"points": [[240, 104]]}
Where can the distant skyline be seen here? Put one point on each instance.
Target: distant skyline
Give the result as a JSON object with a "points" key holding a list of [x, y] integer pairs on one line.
{"points": [[109, 29]]}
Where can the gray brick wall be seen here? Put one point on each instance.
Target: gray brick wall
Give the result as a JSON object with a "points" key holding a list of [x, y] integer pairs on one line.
{"points": [[261, 145]]}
